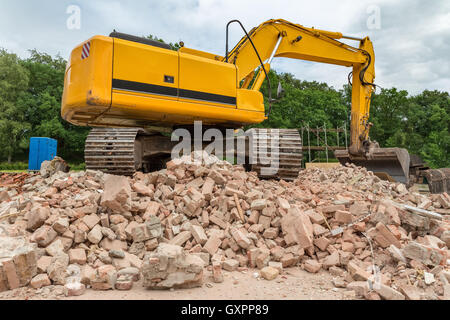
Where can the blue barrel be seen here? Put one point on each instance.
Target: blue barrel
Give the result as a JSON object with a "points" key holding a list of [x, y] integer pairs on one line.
{"points": [[41, 149]]}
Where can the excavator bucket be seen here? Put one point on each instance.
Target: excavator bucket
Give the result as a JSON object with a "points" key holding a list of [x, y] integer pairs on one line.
{"points": [[438, 180], [387, 163]]}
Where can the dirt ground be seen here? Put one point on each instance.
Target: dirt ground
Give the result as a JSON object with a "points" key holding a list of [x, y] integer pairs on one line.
{"points": [[293, 284]]}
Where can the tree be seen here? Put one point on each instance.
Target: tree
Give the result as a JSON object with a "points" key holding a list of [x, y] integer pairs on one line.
{"points": [[173, 46], [43, 99], [13, 85], [387, 114]]}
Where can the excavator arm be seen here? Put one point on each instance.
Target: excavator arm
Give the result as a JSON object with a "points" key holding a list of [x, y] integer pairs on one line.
{"points": [[280, 38]]}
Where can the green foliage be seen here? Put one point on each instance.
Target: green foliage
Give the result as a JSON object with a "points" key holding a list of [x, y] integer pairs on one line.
{"points": [[418, 123], [23, 166], [14, 79], [77, 167], [304, 103], [173, 46], [19, 166], [30, 104], [43, 99]]}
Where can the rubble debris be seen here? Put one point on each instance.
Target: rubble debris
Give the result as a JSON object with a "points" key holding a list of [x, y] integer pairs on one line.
{"points": [[49, 168], [116, 194], [170, 267], [72, 289], [12, 181], [124, 282], [215, 216], [269, 273], [17, 263]]}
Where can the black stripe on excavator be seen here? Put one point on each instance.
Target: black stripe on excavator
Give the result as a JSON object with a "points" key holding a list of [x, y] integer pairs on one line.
{"points": [[169, 91], [198, 95], [144, 87]]}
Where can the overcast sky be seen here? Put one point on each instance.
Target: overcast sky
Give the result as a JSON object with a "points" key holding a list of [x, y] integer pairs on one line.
{"points": [[411, 38]]}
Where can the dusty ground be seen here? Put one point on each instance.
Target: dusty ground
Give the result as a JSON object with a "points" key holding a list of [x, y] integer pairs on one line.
{"points": [[294, 284]]}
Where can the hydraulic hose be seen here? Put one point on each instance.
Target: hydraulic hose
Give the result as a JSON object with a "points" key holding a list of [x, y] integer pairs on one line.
{"points": [[257, 53]]}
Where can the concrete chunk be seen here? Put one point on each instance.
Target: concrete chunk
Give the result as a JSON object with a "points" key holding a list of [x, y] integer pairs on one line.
{"points": [[116, 194]]}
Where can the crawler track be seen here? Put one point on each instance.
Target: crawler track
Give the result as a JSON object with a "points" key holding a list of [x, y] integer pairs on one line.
{"points": [[284, 145], [111, 150], [116, 151]]}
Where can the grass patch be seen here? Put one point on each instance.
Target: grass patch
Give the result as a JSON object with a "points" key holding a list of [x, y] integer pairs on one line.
{"points": [[18, 167], [13, 166], [77, 167]]}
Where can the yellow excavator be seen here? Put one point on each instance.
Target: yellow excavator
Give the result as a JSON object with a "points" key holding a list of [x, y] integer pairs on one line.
{"points": [[133, 90]]}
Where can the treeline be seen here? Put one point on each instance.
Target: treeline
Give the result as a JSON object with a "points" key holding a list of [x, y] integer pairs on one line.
{"points": [[420, 123], [30, 103], [31, 90]]}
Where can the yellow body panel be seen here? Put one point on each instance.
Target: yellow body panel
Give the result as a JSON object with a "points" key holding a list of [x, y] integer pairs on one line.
{"points": [[87, 84], [203, 75], [124, 83], [200, 53], [145, 64], [249, 100], [135, 106]]}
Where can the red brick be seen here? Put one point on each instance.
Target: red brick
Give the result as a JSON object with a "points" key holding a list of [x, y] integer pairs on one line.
{"points": [[39, 281], [288, 260], [343, 216], [321, 243], [348, 247], [9, 269], [213, 244], [254, 217], [77, 256], [270, 233], [44, 235], [3, 280], [37, 217], [252, 255], [331, 261], [217, 272], [312, 266], [384, 231], [357, 273], [91, 220], [298, 228], [241, 239]]}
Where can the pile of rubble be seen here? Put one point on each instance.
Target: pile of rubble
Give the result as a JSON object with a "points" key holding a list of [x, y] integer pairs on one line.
{"points": [[12, 181], [89, 229]]}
